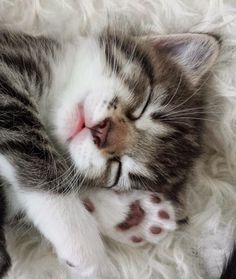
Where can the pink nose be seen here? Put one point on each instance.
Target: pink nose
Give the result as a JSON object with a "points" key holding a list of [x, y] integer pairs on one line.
{"points": [[100, 132]]}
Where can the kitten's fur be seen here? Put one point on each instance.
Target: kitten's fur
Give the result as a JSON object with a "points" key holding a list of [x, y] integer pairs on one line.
{"points": [[149, 91]]}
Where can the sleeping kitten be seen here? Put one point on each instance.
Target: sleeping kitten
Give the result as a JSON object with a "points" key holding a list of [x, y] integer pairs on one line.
{"points": [[109, 111]]}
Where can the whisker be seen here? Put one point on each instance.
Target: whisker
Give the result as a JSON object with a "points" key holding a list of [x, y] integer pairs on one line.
{"points": [[191, 96], [176, 91], [198, 109], [189, 118], [180, 114]]}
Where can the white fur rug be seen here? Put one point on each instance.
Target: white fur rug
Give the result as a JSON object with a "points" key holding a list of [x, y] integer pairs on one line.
{"points": [[198, 250]]}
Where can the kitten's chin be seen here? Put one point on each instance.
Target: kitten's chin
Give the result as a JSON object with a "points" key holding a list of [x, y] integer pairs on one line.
{"points": [[87, 158]]}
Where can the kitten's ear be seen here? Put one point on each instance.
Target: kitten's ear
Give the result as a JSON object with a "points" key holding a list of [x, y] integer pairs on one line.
{"points": [[195, 53]]}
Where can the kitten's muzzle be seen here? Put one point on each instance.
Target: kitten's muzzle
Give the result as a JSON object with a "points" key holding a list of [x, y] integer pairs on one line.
{"points": [[111, 136]]}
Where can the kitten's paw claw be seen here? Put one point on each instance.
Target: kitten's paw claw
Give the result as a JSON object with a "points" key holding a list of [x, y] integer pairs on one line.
{"points": [[69, 264], [89, 205]]}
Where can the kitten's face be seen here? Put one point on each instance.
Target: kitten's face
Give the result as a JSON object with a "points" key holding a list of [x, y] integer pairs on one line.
{"points": [[129, 116]]}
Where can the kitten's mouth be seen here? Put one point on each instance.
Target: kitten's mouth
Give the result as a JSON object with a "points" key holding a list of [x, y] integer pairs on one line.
{"points": [[99, 131], [79, 124]]}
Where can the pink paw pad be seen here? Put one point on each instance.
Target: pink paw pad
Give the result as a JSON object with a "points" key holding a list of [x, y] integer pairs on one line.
{"points": [[136, 239], [155, 230], [134, 218], [149, 219], [163, 214]]}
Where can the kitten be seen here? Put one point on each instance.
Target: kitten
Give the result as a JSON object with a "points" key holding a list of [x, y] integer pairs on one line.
{"points": [[114, 111]]}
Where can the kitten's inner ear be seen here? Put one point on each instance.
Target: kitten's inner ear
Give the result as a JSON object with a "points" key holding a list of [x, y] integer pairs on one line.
{"points": [[195, 53]]}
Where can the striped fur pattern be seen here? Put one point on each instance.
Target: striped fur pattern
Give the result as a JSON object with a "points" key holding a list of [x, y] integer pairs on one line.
{"points": [[148, 88], [25, 76]]}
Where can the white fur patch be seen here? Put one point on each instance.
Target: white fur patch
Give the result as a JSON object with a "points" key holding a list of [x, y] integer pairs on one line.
{"points": [[63, 220]]}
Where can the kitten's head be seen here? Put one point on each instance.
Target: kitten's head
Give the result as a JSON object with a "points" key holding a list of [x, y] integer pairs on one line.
{"points": [[131, 113]]}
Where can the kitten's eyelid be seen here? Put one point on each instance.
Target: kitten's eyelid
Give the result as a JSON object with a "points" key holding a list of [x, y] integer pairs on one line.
{"points": [[141, 109]]}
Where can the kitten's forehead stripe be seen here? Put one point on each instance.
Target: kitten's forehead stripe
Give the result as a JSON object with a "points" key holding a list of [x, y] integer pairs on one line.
{"points": [[135, 53], [111, 60], [132, 66], [132, 52]]}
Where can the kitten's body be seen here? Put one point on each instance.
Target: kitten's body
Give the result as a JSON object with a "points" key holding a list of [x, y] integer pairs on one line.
{"points": [[124, 112]]}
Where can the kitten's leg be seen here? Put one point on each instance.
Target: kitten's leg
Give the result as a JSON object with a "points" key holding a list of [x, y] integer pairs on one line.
{"points": [[63, 220], [38, 177], [74, 236], [134, 218]]}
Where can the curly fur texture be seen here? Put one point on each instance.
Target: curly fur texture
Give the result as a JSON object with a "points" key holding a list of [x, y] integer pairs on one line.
{"points": [[199, 249]]}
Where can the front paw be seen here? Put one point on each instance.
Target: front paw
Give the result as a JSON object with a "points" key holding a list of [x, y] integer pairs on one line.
{"points": [[71, 230], [149, 219], [91, 268], [82, 254], [77, 241], [134, 218]]}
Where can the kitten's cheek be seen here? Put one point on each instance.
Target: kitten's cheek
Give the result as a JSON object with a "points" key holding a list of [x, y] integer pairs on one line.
{"points": [[85, 154]]}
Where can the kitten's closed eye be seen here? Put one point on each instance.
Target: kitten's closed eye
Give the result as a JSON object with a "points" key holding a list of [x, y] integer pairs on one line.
{"points": [[140, 110], [115, 173]]}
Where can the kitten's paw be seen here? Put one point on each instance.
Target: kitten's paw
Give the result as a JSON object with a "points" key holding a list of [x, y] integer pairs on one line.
{"points": [[85, 262], [78, 244], [91, 268], [85, 257], [80, 261], [134, 218], [149, 219]]}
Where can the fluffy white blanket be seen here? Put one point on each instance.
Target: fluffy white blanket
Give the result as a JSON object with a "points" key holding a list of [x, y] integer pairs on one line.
{"points": [[199, 249]]}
